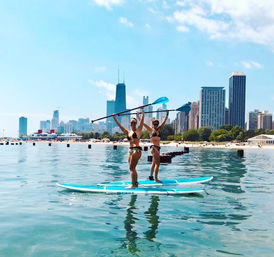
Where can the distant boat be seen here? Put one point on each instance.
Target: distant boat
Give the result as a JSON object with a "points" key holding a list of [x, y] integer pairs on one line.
{"points": [[51, 136], [42, 136], [69, 136]]}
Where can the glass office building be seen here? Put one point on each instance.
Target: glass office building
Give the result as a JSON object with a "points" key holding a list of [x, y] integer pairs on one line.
{"points": [[120, 99], [55, 120], [212, 107], [23, 126], [237, 92], [110, 110]]}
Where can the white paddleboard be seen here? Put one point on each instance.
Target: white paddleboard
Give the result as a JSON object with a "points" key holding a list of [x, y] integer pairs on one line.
{"points": [[164, 182], [123, 190]]}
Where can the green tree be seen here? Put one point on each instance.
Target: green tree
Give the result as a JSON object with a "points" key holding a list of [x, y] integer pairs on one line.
{"points": [[166, 131], [242, 136], [204, 133], [86, 136], [118, 136], [105, 135], [249, 134], [226, 127], [170, 137], [235, 132], [270, 132], [191, 135], [145, 134], [177, 137], [220, 135]]}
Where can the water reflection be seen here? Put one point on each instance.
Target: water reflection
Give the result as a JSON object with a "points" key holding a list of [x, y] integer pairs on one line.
{"points": [[22, 155], [131, 234], [115, 163], [152, 218], [236, 169], [228, 169], [130, 223]]}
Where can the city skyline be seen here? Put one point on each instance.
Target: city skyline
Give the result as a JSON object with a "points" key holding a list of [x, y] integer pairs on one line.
{"points": [[47, 63]]}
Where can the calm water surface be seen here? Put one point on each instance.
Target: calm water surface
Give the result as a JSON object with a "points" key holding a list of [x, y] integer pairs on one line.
{"points": [[233, 217]]}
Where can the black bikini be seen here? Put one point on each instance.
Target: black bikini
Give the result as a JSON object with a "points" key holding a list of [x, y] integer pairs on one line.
{"points": [[154, 134], [134, 135]]}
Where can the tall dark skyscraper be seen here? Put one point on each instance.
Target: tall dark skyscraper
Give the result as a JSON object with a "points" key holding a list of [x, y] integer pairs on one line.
{"points": [[120, 99], [237, 92], [212, 107], [23, 126], [55, 120], [148, 116], [110, 110]]}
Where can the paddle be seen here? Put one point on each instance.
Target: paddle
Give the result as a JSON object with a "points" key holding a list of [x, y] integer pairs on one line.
{"points": [[185, 108], [160, 100]]}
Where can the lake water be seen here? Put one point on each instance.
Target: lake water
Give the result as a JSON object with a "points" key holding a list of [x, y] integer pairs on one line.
{"points": [[233, 217]]}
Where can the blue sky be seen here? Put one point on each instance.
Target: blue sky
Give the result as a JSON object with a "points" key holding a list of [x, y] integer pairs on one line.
{"points": [[66, 53]]}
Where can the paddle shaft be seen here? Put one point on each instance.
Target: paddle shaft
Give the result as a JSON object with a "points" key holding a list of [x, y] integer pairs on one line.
{"points": [[119, 113], [173, 110]]}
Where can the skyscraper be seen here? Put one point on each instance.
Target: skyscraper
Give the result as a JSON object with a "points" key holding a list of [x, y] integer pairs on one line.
{"points": [[23, 126], [120, 104], [237, 92], [252, 120], [226, 116], [265, 120], [110, 110], [193, 116], [212, 107], [55, 120], [83, 125], [45, 125], [181, 122], [120, 99], [148, 116]]}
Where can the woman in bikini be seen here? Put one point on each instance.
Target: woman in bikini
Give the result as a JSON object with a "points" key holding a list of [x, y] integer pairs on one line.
{"points": [[155, 138], [135, 151]]}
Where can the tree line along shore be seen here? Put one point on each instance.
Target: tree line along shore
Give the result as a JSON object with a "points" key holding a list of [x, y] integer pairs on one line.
{"points": [[225, 133]]}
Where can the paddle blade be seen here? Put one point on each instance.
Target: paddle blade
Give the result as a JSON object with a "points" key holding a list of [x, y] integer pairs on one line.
{"points": [[161, 100], [185, 108]]}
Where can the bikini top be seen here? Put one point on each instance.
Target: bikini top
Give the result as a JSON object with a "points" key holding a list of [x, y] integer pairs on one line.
{"points": [[134, 135], [154, 134]]}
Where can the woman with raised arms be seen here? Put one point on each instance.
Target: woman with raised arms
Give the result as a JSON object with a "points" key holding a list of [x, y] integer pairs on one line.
{"points": [[155, 138], [135, 151]]}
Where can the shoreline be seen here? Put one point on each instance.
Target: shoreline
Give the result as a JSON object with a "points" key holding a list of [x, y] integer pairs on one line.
{"points": [[205, 145]]}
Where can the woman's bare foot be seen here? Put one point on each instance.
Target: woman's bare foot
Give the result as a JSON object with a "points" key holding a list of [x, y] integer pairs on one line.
{"points": [[157, 180], [131, 187]]}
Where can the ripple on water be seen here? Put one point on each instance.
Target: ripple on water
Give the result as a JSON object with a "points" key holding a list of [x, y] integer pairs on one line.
{"points": [[39, 219]]}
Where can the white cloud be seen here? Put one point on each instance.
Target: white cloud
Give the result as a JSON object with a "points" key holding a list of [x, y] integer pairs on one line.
{"points": [[209, 63], [147, 26], [182, 28], [245, 20], [251, 64], [108, 3], [105, 88], [125, 21], [165, 4], [180, 3], [109, 90], [152, 10]]}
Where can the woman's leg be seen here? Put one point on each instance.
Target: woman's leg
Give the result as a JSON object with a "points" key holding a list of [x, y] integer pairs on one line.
{"points": [[156, 158], [152, 164], [132, 167]]}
